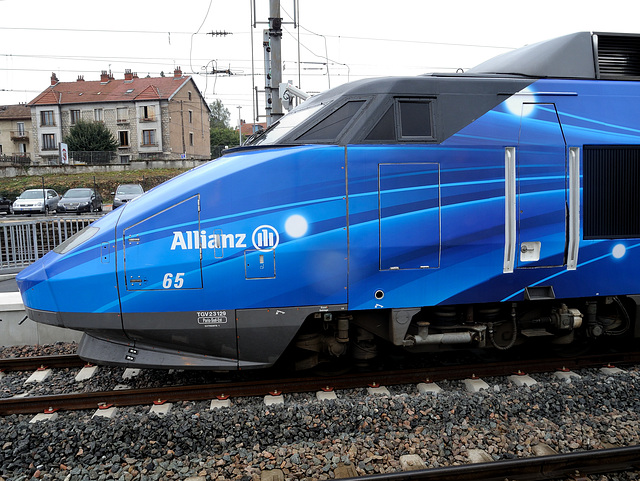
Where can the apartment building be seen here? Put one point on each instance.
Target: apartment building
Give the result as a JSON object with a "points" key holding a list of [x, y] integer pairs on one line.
{"points": [[15, 132], [163, 118]]}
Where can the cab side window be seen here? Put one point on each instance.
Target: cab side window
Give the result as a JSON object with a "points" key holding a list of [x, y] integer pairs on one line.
{"points": [[406, 120], [415, 119], [330, 128]]}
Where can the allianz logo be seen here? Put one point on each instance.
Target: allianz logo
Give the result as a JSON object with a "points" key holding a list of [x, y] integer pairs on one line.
{"points": [[264, 238]]}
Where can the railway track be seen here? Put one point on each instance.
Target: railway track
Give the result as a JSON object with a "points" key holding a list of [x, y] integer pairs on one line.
{"points": [[262, 387], [36, 362], [573, 466]]}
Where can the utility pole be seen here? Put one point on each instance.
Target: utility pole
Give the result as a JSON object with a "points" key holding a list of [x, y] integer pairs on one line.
{"points": [[272, 39], [271, 44], [239, 125]]}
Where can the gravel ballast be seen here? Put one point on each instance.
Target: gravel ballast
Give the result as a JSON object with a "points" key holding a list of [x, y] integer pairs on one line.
{"points": [[309, 439]]}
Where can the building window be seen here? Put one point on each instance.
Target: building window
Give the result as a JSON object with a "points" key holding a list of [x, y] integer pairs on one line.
{"points": [[46, 118], [123, 136], [190, 116], [148, 137], [23, 148], [189, 93], [148, 113], [74, 116], [191, 139], [97, 115], [49, 142], [123, 114], [0, 149], [20, 126], [124, 159]]}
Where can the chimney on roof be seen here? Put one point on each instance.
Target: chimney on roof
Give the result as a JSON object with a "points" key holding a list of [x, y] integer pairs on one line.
{"points": [[135, 75], [54, 78], [104, 76], [127, 74], [177, 73], [80, 78]]}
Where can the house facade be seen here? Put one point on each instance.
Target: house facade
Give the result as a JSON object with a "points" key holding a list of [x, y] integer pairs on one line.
{"points": [[15, 132], [164, 118]]}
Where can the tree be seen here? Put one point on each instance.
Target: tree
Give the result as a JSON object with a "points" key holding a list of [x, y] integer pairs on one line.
{"points": [[223, 136], [90, 136], [220, 115]]}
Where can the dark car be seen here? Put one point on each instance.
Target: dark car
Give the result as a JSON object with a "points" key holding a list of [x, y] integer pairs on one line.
{"points": [[6, 205], [126, 193], [80, 200]]}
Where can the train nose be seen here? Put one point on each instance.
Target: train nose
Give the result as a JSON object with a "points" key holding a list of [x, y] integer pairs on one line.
{"points": [[37, 297]]}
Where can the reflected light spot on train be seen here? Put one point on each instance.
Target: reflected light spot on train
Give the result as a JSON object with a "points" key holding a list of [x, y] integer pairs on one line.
{"points": [[296, 226], [619, 251]]}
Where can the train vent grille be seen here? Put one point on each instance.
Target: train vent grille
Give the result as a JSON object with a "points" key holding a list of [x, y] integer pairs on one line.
{"points": [[611, 191], [619, 57]]}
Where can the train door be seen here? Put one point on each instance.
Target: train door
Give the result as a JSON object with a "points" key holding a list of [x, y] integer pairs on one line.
{"points": [[541, 174], [162, 273], [409, 215]]}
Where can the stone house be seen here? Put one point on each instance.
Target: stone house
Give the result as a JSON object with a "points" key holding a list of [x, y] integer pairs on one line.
{"points": [[163, 118], [15, 132]]}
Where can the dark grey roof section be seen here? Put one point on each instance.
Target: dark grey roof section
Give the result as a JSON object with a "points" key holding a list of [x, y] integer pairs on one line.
{"points": [[570, 56], [458, 101]]}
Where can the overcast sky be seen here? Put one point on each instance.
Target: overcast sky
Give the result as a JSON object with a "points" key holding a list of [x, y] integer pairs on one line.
{"points": [[361, 38]]}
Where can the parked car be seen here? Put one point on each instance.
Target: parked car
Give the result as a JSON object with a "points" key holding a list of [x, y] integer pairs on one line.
{"points": [[126, 193], [80, 200], [36, 201], [6, 205]]}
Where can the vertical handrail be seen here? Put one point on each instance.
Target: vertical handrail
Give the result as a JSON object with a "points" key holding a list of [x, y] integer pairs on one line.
{"points": [[574, 208], [509, 209]]}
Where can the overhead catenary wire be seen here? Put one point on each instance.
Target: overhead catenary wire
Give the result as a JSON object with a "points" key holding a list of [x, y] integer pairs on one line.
{"points": [[344, 37]]}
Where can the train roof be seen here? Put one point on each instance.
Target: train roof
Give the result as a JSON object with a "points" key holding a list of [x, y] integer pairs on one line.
{"points": [[582, 55], [355, 111]]}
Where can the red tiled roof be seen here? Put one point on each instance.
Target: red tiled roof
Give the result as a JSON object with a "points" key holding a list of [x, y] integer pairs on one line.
{"points": [[116, 90], [248, 129], [150, 93], [17, 112]]}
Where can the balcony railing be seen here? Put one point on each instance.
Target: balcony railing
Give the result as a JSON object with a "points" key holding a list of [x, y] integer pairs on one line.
{"points": [[19, 135], [15, 159]]}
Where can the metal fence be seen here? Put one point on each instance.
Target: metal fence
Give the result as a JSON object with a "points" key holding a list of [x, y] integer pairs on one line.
{"points": [[91, 158], [24, 242]]}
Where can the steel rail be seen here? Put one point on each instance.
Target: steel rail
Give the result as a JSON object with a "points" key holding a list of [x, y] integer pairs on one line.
{"points": [[261, 387], [36, 362], [526, 469]]}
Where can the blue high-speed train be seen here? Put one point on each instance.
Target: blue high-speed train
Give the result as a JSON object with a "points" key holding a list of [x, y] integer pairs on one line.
{"points": [[469, 210]]}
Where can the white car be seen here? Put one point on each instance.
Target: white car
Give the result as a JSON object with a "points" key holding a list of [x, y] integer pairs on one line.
{"points": [[36, 201]]}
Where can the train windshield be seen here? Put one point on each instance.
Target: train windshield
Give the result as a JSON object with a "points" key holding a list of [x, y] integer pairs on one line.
{"points": [[283, 126]]}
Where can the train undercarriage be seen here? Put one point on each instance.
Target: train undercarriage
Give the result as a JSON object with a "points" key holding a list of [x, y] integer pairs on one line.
{"points": [[359, 335]]}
